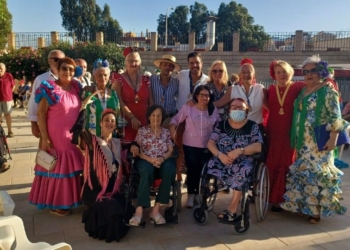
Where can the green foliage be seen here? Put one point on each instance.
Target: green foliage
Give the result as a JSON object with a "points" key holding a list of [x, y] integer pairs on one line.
{"points": [[84, 18], [89, 51], [23, 63], [5, 23], [198, 14]]}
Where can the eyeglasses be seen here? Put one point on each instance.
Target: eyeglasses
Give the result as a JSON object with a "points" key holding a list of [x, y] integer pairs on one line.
{"points": [[214, 71], [234, 107], [204, 95], [65, 68], [312, 71], [55, 59]]}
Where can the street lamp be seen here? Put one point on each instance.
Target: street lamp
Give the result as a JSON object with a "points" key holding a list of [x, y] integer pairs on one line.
{"points": [[166, 25]]}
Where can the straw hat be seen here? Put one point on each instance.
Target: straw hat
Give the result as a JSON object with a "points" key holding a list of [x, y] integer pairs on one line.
{"points": [[169, 59]]}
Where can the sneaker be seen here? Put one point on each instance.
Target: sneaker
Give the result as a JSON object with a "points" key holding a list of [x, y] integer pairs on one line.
{"points": [[10, 135], [190, 201]]}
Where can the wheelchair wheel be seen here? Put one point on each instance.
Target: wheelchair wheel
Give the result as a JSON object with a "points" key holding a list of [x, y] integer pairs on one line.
{"points": [[208, 185], [239, 229], [179, 196], [262, 192], [200, 215]]}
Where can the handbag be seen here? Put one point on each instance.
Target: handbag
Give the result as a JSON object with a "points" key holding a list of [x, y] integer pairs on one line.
{"points": [[46, 160], [322, 136]]}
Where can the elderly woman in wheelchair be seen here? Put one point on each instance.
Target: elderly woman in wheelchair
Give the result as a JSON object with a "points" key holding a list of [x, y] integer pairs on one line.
{"points": [[233, 143], [154, 148]]}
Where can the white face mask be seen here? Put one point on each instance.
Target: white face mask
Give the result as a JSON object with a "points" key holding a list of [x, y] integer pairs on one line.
{"points": [[331, 76], [237, 115]]}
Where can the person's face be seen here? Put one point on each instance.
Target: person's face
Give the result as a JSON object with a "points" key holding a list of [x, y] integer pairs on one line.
{"points": [[166, 68], [155, 118], [101, 76], [2, 70], [310, 73], [217, 73], [108, 123], [66, 72], [281, 74], [195, 65], [238, 105], [246, 74], [133, 62], [203, 97], [53, 59], [82, 64]]}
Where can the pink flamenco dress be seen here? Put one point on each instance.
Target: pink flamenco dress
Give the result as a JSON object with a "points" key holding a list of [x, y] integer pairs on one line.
{"points": [[61, 187]]}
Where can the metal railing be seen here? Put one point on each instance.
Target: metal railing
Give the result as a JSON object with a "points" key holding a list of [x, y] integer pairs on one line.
{"points": [[326, 41], [272, 41], [31, 39]]}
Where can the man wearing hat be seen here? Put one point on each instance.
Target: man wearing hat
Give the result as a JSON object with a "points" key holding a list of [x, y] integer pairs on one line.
{"points": [[165, 88]]}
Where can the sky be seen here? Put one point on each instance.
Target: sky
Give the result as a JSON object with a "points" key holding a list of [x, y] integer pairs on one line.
{"points": [[139, 15]]}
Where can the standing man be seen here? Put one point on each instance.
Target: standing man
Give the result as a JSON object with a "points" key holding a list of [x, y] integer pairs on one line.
{"points": [[164, 87], [188, 80], [53, 58], [83, 65], [7, 85]]}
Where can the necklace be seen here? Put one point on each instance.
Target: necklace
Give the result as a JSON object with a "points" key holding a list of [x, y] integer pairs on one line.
{"points": [[135, 87], [103, 99], [307, 92], [281, 100], [234, 132], [250, 108]]}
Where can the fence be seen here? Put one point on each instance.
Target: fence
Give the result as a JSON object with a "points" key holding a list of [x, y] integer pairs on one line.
{"points": [[262, 41]]}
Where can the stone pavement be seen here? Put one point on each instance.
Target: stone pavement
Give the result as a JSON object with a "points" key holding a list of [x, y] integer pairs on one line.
{"points": [[279, 231]]}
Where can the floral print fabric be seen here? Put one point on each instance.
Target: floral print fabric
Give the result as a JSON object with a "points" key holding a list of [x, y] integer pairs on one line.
{"points": [[313, 180], [151, 145], [228, 139]]}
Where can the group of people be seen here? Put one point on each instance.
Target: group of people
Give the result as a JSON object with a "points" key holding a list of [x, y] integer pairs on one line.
{"points": [[206, 117]]}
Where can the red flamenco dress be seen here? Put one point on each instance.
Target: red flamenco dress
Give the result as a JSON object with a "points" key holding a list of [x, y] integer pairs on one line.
{"points": [[280, 154], [138, 108]]}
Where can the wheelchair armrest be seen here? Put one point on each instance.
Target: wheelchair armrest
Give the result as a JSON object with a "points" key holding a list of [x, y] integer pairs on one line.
{"points": [[257, 156]]}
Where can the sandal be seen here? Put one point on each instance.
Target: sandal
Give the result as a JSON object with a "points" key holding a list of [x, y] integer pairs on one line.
{"points": [[4, 168], [135, 221], [158, 220], [314, 220], [60, 212], [226, 215]]}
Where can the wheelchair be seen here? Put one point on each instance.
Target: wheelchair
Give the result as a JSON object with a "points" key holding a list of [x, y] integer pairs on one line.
{"points": [[170, 213], [256, 191]]}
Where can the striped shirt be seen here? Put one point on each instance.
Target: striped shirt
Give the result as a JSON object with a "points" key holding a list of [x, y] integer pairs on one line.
{"points": [[165, 96]]}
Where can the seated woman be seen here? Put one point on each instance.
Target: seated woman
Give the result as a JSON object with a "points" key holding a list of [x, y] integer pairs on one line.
{"points": [[103, 178], [155, 153], [233, 142]]}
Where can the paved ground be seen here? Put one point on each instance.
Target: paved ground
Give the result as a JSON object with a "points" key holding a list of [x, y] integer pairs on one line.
{"points": [[278, 231]]}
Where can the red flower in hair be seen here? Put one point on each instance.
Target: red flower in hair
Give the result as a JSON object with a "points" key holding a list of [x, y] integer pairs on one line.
{"points": [[272, 70], [127, 51], [107, 111], [246, 61]]}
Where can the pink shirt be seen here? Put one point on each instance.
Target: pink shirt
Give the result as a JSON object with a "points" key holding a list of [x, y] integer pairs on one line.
{"points": [[152, 146], [346, 109], [199, 125], [6, 86]]}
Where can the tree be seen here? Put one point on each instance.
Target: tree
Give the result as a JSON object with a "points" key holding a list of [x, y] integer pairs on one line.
{"points": [[235, 17], [197, 21], [84, 18], [5, 23]]}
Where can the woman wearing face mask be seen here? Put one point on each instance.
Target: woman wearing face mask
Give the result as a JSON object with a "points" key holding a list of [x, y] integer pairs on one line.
{"points": [[233, 142]]}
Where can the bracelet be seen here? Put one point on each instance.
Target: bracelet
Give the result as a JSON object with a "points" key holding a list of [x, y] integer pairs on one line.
{"points": [[217, 156], [132, 117]]}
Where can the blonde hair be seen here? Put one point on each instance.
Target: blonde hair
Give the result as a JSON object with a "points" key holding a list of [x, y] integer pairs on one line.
{"points": [[223, 65], [287, 67], [135, 53], [234, 78], [248, 65]]}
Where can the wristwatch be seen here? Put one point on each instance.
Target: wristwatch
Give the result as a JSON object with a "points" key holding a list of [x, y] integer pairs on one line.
{"points": [[242, 151]]}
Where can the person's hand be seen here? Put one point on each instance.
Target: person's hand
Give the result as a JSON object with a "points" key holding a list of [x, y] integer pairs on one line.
{"points": [[135, 150], [225, 159], [135, 123], [35, 129], [331, 143], [88, 99], [234, 154], [46, 144], [190, 103], [158, 162]]}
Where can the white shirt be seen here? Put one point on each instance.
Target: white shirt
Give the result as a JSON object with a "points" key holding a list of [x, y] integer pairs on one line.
{"points": [[254, 98], [85, 82], [184, 87], [32, 105]]}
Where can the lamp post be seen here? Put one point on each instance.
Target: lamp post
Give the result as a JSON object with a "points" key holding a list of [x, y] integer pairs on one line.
{"points": [[166, 26]]}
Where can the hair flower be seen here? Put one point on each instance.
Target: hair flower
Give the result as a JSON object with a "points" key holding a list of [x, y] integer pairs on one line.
{"points": [[101, 64], [323, 69], [246, 61], [272, 70]]}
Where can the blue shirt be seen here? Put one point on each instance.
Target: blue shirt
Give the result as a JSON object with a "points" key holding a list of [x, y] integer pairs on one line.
{"points": [[165, 96]]}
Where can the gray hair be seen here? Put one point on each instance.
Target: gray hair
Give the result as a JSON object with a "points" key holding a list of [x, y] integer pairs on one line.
{"points": [[55, 51], [3, 64], [315, 59], [107, 68]]}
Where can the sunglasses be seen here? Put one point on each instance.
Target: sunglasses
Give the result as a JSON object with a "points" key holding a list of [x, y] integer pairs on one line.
{"points": [[65, 68], [312, 71], [55, 59], [215, 71]]}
